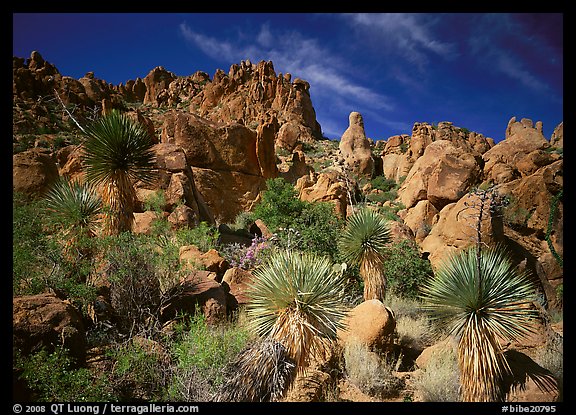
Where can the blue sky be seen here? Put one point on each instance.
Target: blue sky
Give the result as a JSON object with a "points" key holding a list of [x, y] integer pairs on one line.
{"points": [[476, 70]]}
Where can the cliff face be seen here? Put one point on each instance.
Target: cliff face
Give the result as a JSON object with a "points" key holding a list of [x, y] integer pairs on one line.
{"points": [[249, 94], [218, 139]]}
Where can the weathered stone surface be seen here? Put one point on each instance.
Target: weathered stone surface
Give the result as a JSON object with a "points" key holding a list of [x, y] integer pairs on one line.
{"points": [[371, 323], [421, 218], [33, 171], [456, 229], [144, 222], [238, 280], [327, 188], [199, 290], [521, 139], [396, 166], [442, 175], [44, 320], [228, 193], [355, 147]]}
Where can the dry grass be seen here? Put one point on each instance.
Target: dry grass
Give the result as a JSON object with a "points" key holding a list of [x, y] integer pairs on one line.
{"points": [[372, 373], [440, 380]]}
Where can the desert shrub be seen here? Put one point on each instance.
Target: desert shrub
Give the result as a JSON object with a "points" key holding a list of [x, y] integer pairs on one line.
{"points": [[204, 236], [371, 372], [319, 228], [54, 377], [156, 201], [243, 220], [141, 370], [405, 270], [315, 225], [200, 355], [280, 204], [247, 257], [440, 380], [384, 184], [139, 276], [30, 262], [39, 259]]}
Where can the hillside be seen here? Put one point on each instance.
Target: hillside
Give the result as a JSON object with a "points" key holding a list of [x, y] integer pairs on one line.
{"points": [[219, 141]]}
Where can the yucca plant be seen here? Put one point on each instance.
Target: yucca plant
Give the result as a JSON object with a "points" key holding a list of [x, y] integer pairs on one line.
{"points": [[482, 299], [261, 372], [76, 207], [117, 153], [363, 243], [296, 299]]}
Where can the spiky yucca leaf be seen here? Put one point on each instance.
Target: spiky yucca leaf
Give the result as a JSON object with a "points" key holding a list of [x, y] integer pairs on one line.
{"points": [[74, 204], [118, 144], [261, 372], [297, 299], [117, 153], [481, 309], [363, 243]]}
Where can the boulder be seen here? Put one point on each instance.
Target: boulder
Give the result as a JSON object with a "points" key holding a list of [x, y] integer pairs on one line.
{"points": [[370, 323], [144, 222], [229, 163], [198, 291], [183, 217], [192, 258], [355, 147], [421, 218], [442, 175], [33, 171], [238, 280], [327, 188], [45, 321], [522, 138], [456, 229], [396, 166]]}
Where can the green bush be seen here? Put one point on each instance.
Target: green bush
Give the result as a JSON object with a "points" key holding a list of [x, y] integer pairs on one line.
{"points": [[405, 270], [53, 377], [30, 263], [384, 184], [204, 236], [140, 275], [201, 353], [280, 204], [298, 224], [141, 370]]}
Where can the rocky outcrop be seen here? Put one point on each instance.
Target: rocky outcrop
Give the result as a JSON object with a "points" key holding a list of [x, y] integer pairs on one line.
{"points": [[455, 229], [229, 163], [355, 147], [442, 175], [526, 174], [199, 290], [523, 144], [370, 323], [33, 171], [324, 187], [45, 321]]}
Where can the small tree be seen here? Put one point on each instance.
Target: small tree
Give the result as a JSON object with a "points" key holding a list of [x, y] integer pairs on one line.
{"points": [[117, 153], [75, 206], [295, 307], [363, 242], [481, 304]]}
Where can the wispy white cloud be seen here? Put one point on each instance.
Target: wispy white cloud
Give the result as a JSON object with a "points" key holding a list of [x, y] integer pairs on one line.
{"points": [[406, 35], [492, 45], [291, 52], [515, 70]]}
